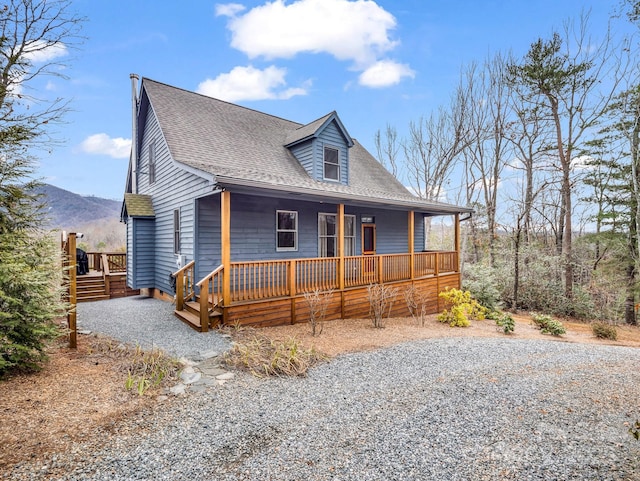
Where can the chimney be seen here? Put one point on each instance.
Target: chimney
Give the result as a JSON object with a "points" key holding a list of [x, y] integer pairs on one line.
{"points": [[134, 132]]}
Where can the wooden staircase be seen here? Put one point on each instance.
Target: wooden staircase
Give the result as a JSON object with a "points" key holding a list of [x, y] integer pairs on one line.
{"points": [[190, 315], [91, 288]]}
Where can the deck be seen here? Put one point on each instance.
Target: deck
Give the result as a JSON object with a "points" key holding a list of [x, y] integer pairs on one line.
{"points": [[270, 293]]}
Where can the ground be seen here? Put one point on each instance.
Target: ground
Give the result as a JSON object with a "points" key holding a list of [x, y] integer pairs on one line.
{"points": [[81, 393]]}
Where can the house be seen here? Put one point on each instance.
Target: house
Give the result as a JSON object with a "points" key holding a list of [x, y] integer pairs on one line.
{"points": [[255, 210]]}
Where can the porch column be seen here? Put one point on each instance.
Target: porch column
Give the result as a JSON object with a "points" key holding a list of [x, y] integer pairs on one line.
{"points": [[457, 241], [341, 246], [225, 247], [411, 241]]}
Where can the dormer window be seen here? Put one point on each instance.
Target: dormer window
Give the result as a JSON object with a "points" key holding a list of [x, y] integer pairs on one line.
{"points": [[331, 164]]}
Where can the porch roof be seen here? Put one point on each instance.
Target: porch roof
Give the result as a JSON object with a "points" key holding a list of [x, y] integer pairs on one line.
{"points": [[137, 205], [243, 147]]}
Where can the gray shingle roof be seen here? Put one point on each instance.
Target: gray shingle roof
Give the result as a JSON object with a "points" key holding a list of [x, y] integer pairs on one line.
{"points": [[138, 205], [240, 146]]}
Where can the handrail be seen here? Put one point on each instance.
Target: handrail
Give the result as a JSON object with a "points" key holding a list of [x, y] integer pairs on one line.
{"points": [[209, 301], [106, 272], [184, 284]]}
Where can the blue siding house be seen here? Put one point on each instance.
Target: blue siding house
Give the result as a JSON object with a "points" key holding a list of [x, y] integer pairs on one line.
{"points": [[255, 210]]}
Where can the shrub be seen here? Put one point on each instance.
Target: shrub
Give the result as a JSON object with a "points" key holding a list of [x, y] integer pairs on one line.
{"points": [[460, 308], [265, 357], [505, 321], [380, 298], [548, 325], [417, 304], [480, 281], [318, 302], [603, 330]]}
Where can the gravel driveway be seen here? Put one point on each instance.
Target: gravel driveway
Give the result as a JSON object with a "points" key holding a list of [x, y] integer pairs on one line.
{"points": [[439, 409]]}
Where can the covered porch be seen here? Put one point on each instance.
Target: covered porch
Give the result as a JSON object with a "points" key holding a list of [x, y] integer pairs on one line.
{"points": [[271, 292]]}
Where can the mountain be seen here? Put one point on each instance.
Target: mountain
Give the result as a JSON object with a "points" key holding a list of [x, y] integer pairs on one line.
{"points": [[66, 210]]}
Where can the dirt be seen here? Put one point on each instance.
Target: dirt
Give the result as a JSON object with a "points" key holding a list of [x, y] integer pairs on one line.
{"points": [[80, 394]]}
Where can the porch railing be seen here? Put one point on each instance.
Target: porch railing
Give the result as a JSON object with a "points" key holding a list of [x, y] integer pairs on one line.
{"points": [[210, 288], [257, 280], [185, 284], [114, 261]]}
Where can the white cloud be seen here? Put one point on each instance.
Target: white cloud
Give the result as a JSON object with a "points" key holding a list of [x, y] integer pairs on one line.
{"points": [[250, 83], [385, 73], [228, 9], [102, 144], [348, 30], [39, 52]]}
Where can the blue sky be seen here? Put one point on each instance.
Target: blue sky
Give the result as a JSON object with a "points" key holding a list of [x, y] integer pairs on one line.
{"points": [[389, 61]]}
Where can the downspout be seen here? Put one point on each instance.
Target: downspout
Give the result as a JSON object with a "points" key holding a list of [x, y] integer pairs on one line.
{"points": [[134, 133]]}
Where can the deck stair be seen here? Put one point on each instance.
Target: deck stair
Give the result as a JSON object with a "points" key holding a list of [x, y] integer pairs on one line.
{"points": [[190, 315], [91, 288]]}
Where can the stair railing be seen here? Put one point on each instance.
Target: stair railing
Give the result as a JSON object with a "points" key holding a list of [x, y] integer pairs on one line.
{"points": [[210, 295], [184, 284], [106, 273]]}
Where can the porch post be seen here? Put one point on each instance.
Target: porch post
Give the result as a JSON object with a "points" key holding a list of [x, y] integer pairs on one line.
{"points": [[71, 314], [341, 247], [411, 241], [457, 241], [225, 244]]}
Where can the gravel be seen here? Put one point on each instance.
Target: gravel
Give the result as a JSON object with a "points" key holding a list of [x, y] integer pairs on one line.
{"points": [[439, 409], [150, 323]]}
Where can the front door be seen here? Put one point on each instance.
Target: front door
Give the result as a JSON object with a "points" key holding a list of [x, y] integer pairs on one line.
{"points": [[369, 249]]}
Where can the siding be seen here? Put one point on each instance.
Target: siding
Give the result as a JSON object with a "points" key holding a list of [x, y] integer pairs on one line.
{"points": [[332, 137], [174, 188], [391, 229], [144, 240], [304, 154], [131, 253], [208, 255]]}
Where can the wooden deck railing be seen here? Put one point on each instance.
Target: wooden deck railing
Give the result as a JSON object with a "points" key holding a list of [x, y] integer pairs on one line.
{"points": [[210, 295], [114, 261], [185, 284], [255, 280]]}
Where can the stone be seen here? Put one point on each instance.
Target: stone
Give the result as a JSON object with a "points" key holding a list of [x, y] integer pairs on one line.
{"points": [[178, 389], [212, 371], [208, 354], [162, 398], [85, 332], [190, 377], [227, 376]]}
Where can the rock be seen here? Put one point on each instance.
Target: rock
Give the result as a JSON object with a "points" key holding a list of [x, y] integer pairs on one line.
{"points": [[227, 376], [178, 389], [209, 354], [212, 371], [189, 377], [162, 398], [85, 332]]}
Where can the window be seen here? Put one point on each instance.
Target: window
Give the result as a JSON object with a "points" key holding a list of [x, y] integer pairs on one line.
{"points": [[328, 235], [176, 231], [152, 162], [331, 163], [286, 230]]}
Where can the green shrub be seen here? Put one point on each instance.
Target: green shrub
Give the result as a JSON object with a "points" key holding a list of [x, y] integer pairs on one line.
{"points": [[480, 281], [460, 308], [505, 321], [603, 330], [548, 325]]}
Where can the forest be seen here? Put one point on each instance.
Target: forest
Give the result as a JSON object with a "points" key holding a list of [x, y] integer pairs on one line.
{"points": [[544, 147]]}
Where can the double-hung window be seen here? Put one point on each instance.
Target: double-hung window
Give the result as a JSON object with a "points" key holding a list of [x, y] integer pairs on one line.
{"points": [[328, 235], [286, 230], [331, 163]]}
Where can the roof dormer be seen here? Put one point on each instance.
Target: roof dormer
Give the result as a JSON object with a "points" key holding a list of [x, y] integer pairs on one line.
{"points": [[322, 148]]}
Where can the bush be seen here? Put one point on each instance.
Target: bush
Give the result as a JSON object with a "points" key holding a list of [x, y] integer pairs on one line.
{"points": [[265, 357], [318, 303], [460, 308], [480, 281], [417, 304], [30, 296], [504, 320], [604, 331], [380, 298], [548, 325]]}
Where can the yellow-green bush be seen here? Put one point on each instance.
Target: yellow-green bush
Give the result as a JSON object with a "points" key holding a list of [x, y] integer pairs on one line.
{"points": [[461, 307]]}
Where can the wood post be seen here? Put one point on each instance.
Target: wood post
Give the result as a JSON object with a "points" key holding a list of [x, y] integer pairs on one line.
{"points": [[457, 241], [225, 243], [411, 246], [204, 305], [341, 246], [71, 315]]}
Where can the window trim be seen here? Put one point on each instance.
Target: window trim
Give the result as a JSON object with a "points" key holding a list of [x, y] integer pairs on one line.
{"points": [[353, 244], [152, 162], [294, 230], [325, 162], [176, 231]]}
